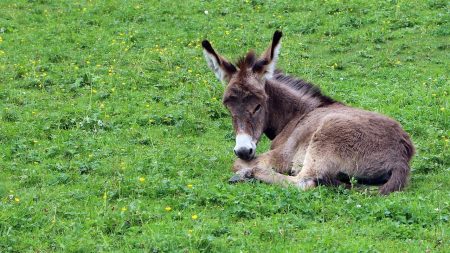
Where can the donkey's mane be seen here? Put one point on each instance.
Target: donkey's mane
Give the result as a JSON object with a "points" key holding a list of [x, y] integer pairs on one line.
{"points": [[303, 88], [247, 61]]}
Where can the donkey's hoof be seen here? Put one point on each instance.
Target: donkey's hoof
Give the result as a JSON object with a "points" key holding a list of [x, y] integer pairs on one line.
{"points": [[241, 176], [236, 179]]}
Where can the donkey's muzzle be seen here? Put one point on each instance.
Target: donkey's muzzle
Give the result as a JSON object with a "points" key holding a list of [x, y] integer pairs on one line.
{"points": [[245, 146], [245, 153]]}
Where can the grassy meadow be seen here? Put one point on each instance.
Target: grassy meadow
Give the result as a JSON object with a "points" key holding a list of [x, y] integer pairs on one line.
{"points": [[113, 137]]}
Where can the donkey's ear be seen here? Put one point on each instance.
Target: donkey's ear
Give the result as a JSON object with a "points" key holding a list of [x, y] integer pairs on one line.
{"points": [[221, 67], [266, 64]]}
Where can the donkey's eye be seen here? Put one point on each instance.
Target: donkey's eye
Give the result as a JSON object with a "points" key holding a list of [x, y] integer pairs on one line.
{"points": [[257, 108]]}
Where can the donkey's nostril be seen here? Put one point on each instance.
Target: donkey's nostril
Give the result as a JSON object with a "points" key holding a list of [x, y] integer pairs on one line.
{"points": [[250, 151]]}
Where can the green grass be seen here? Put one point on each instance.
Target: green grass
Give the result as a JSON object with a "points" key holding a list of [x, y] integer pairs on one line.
{"points": [[109, 114]]}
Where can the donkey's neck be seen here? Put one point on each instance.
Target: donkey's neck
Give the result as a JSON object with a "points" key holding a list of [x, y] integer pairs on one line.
{"points": [[286, 104]]}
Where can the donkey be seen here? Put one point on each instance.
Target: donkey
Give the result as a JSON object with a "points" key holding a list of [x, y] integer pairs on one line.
{"points": [[315, 139]]}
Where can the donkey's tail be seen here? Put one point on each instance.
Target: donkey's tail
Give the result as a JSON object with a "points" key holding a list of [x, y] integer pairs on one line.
{"points": [[398, 179]]}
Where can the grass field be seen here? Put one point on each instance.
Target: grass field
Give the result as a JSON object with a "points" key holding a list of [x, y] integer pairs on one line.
{"points": [[113, 137]]}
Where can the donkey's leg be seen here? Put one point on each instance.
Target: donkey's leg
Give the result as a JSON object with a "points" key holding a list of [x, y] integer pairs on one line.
{"points": [[261, 168], [269, 166], [319, 167], [309, 176], [276, 160], [240, 164], [272, 159], [270, 176]]}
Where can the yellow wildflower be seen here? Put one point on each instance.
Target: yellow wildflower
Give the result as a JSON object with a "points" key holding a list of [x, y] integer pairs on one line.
{"points": [[123, 209], [16, 199], [189, 186], [141, 179], [194, 217], [168, 208]]}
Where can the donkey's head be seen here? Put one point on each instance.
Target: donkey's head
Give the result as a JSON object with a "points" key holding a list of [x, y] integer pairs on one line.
{"points": [[245, 95]]}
